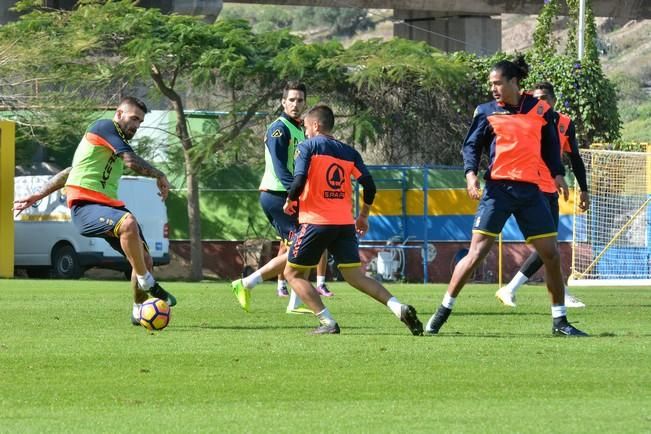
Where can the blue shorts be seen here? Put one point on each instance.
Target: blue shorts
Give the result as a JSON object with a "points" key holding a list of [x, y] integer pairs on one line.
{"points": [[272, 203], [95, 220], [311, 240], [525, 201]]}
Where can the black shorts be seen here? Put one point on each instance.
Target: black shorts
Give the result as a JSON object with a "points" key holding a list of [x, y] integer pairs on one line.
{"points": [[95, 220], [310, 241], [552, 198], [272, 203]]}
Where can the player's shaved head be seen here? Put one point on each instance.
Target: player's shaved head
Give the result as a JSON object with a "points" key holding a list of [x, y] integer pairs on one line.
{"points": [[133, 102], [129, 115], [324, 116]]}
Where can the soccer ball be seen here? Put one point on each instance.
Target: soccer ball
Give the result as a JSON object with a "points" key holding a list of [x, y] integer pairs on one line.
{"points": [[155, 314]]}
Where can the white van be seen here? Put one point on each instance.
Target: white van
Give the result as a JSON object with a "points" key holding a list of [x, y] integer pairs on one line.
{"points": [[47, 243]]}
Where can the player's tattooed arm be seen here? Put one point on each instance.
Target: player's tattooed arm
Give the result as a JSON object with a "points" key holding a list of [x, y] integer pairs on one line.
{"points": [[55, 183], [140, 166]]}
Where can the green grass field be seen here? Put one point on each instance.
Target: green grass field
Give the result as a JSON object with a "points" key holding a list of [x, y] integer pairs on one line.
{"points": [[71, 362]]}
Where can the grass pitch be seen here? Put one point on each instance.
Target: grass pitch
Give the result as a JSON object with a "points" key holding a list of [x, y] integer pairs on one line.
{"points": [[71, 362]]}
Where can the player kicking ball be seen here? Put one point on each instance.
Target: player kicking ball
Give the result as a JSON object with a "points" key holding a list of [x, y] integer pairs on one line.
{"points": [[323, 188], [92, 192]]}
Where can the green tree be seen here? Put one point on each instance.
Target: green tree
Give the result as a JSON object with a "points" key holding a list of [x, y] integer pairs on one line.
{"points": [[584, 92], [105, 48], [405, 98], [43, 128]]}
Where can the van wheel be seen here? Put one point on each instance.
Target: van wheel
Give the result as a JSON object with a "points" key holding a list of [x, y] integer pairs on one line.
{"points": [[65, 263]]}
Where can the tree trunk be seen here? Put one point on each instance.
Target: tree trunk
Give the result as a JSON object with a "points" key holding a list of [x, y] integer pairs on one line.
{"points": [[194, 211], [194, 208], [194, 219]]}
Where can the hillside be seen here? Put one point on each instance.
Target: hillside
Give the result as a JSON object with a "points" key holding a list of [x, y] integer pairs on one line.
{"points": [[626, 45], [626, 59]]}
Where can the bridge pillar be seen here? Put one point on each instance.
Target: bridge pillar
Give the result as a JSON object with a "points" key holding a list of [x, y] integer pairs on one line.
{"points": [[6, 15], [474, 33]]}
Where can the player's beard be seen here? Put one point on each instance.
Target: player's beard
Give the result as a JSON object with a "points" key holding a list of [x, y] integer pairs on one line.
{"points": [[128, 133]]}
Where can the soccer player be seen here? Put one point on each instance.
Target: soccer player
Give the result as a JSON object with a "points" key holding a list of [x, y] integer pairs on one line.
{"points": [[517, 131], [566, 133], [92, 191], [280, 145], [322, 186]]}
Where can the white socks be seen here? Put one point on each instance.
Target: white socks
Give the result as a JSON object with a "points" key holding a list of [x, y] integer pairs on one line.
{"points": [[135, 312], [448, 301], [559, 311], [294, 300], [282, 284], [252, 280], [518, 280], [395, 306], [325, 318], [146, 282], [320, 280]]}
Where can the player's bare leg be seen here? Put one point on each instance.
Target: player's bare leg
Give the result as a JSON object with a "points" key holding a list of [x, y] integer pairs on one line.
{"points": [[134, 251], [139, 296], [547, 248], [242, 287], [480, 245], [506, 294], [282, 283], [136, 254], [321, 270], [374, 289], [358, 280], [295, 301], [298, 281], [132, 245], [267, 271]]}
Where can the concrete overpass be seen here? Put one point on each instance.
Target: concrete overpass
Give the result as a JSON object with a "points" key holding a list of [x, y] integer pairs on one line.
{"points": [[631, 9], [470, 25], [451, 25]]}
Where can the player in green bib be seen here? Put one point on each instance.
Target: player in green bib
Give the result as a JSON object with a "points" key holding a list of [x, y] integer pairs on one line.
{"points": [[92, 193], [282, 137]]}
